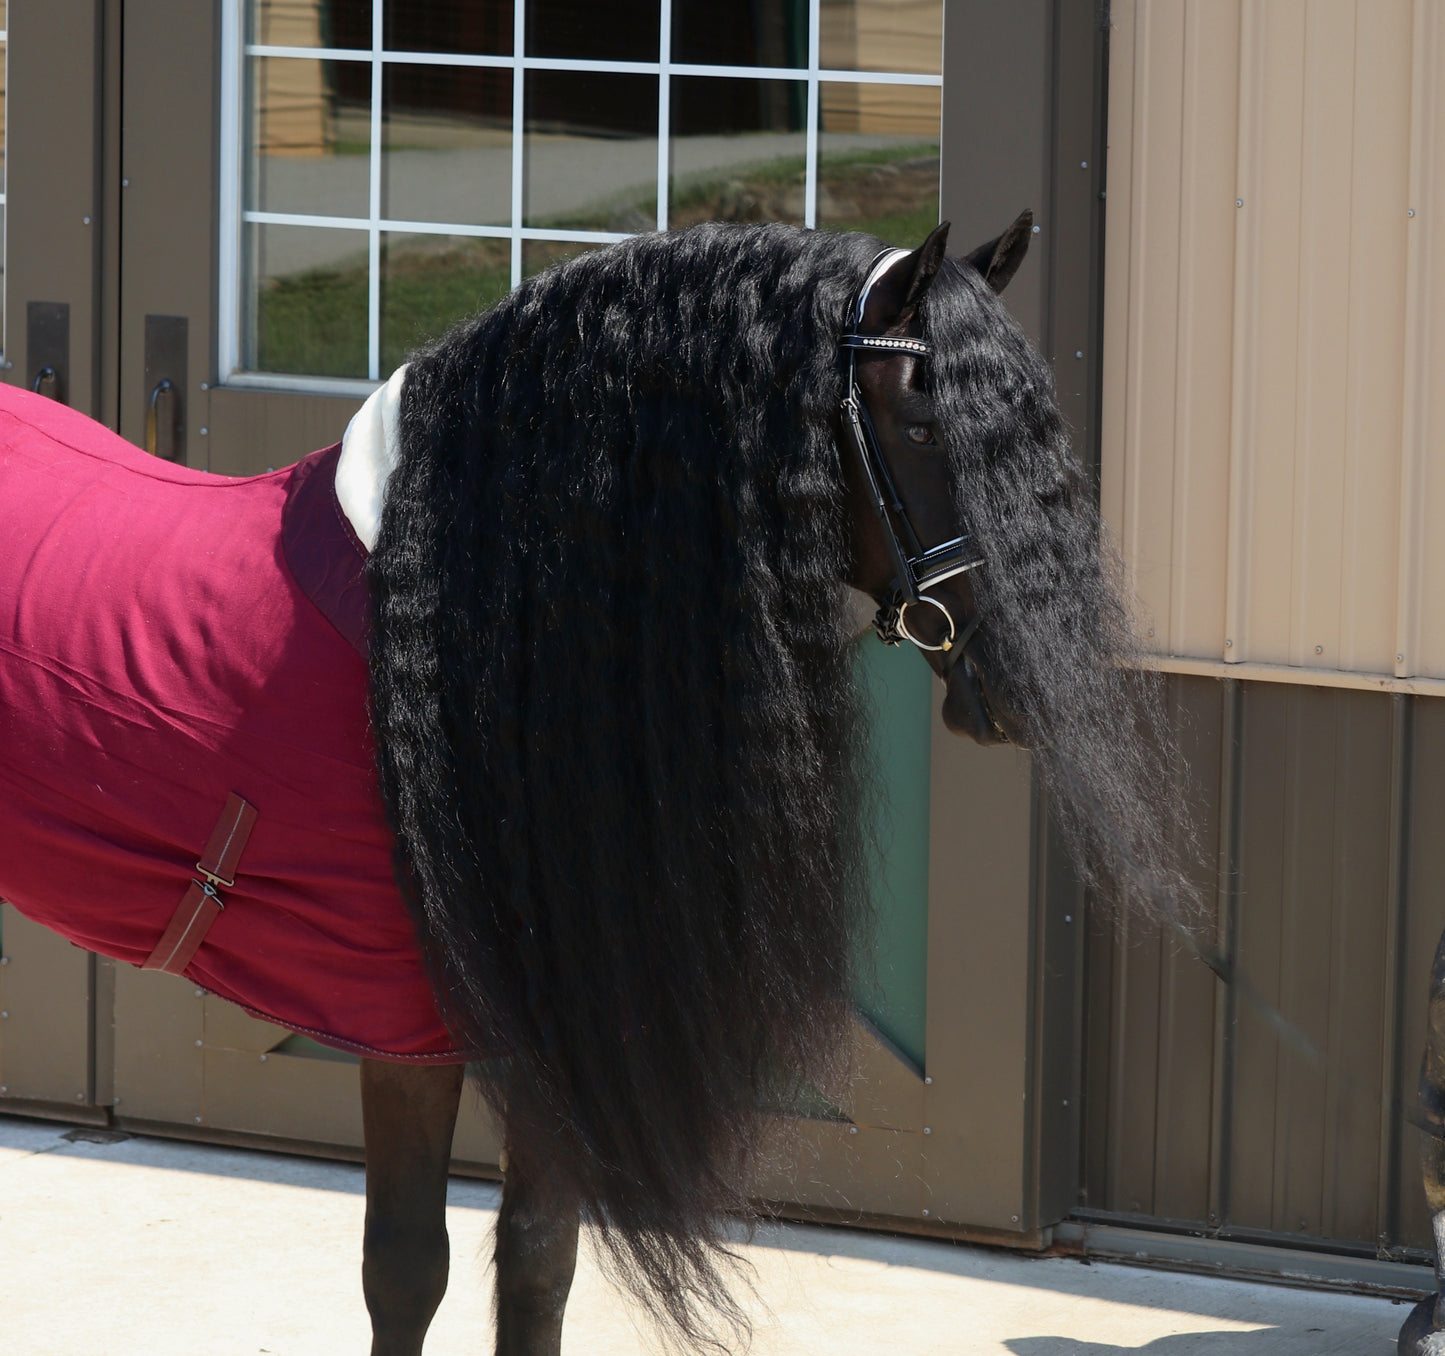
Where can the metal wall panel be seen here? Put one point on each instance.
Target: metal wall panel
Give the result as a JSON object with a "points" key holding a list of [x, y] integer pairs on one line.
{"points": [[1281, 1106], [1275, 230]]}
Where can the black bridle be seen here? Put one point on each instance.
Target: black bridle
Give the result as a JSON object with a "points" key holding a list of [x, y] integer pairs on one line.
{"points": [[916, 568]]}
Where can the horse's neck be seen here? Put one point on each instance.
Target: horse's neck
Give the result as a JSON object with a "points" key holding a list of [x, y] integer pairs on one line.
{"points": [[368, 457]]}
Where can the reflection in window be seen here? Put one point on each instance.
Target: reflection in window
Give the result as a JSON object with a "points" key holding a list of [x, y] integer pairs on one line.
{"points": [[738, 151], [310, 300], [359, 229], [878, 160], [446, 138], [881, 35], [429, 282], [591, 151], [309, 150]]}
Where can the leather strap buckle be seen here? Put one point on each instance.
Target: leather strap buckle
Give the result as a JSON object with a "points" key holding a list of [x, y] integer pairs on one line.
{"points": [[202, 904]]}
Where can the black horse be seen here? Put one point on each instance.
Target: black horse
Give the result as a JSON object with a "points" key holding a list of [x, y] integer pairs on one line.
{"points": [[628, 807], [616, 724]]}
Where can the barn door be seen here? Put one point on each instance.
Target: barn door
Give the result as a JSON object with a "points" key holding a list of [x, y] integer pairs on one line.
{"points": [[52, 236]]}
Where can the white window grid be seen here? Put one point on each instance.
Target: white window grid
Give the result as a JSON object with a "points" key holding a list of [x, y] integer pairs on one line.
{"points": [[235, 50]]}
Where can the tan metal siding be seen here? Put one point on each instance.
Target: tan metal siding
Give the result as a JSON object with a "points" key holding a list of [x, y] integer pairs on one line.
{"points": [[1270, 318]]}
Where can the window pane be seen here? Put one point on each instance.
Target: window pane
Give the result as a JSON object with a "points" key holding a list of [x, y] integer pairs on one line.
{"points": [[447, 144], [614, 30], [591, 151], [738, 150], [310, 137], [878, 160], [540, 254], [476, 27], [429, 282], [882, 35], [306, 300], [740, 32], [309, 23]]}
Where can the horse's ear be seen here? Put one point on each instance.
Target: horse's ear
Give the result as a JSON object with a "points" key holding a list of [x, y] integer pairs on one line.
{"points": [[896, 297], [999, 260]]}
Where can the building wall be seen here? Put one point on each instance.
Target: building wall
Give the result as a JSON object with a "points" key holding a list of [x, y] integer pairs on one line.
{"points": [[1272, 461], [1274, 398]]}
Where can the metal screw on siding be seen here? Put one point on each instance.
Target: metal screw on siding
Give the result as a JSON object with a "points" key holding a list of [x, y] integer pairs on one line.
{"points": [[1083, 164], [204, 430], [4, 1014], [928, 1078], [198, 1042], [80, 1097], [1036, 230], [1015, 1218], [115, 1101], [205, 386], [1239, 202], [1399, 659], [1410, 213], [3, 1088], [927, 1129], [1228, 644], [1319, 649], [200, 993], [925, 1209], [263, 1059], [1066, 1101], [198, 1120], [85, 221], [1078, 353], [4, 960], [1068, 918], [125, 183], [852, 1129]]}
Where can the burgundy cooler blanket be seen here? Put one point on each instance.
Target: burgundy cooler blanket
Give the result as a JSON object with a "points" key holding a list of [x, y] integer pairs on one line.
{"points": [[168, 640]]}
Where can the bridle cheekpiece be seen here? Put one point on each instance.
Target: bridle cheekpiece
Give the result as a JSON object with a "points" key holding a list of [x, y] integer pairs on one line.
{"points": [[915, 568]]}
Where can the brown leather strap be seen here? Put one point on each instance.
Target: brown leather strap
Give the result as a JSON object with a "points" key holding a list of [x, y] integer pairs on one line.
{"points": [[201, 905], [227, 842]]}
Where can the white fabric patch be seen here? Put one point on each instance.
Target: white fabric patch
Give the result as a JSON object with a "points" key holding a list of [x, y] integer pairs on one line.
{"points": [[369, 455]]}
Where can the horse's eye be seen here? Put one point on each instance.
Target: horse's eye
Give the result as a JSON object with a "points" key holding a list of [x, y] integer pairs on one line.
{"points": [[918, 433]]}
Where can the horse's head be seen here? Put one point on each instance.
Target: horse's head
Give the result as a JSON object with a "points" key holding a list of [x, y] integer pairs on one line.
{"points": [[911, 553]]}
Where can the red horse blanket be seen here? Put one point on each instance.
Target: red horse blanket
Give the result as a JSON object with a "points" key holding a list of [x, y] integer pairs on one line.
{"points": [[169, 638]]}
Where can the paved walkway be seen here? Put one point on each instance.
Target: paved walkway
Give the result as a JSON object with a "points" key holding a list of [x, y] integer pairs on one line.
{"points": [[166, 1248]]}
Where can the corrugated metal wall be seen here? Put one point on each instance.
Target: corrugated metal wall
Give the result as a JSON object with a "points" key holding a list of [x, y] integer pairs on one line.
{"points": [[1281, 1106], [1272, 462], [1274, 390]]}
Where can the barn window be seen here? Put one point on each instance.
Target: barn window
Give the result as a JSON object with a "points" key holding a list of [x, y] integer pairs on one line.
{"points": [[392, 165]]}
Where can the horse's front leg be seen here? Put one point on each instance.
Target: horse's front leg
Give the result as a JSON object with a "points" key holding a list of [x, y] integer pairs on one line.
{"points": [[535, 1257], [408, 1113]]}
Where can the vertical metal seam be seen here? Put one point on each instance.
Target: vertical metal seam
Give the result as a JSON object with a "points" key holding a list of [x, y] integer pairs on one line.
{"points": [[1180, 461], [1416, 388], [1387, 1208], [1133, 415], [1244, 338], [1226, 1009]]}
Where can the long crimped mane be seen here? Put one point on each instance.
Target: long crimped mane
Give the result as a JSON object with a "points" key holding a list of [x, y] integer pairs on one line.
{"points": [[617, 727], [1059, 640], [616, 723]]}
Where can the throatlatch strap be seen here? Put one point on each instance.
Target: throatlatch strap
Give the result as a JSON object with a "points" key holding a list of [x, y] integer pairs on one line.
{"points": [[201, 904]]}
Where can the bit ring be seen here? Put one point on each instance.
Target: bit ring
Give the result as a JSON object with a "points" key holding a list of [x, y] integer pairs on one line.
{"points": [[902, 624]]}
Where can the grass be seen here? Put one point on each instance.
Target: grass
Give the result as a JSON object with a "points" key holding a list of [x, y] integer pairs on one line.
{"points": [[315, 322]]}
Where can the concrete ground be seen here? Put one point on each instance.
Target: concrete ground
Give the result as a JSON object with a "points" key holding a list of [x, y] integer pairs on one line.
{"points": [[155, 1246]]}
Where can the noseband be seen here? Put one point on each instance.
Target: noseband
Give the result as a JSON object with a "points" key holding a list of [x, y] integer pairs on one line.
{"points": [[915, 568]]}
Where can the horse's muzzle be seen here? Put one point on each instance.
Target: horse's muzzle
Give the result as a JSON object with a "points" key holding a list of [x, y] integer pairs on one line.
{"points": [[966, 708]]}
